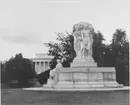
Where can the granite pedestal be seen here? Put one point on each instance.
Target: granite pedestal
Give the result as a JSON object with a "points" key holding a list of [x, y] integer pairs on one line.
{"points": [[86, 77]]}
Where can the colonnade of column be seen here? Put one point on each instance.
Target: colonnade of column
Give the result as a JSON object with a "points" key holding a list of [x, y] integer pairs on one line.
{"points": [[41, 66]]}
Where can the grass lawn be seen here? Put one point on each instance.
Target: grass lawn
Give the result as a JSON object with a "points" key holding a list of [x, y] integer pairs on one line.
{"points": [[22, 97]]}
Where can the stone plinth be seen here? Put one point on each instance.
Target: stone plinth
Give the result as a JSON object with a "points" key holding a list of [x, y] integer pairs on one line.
{"points": [[87, 62], [89, 77]]}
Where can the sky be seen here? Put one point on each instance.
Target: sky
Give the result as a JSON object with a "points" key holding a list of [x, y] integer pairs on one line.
{"points": [[26, 24]]}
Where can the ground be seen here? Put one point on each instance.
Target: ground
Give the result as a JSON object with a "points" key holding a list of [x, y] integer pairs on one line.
{"points": [[24, 97]]}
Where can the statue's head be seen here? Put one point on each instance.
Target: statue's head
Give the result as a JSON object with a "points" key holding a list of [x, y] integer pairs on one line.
{"points": [[82, 26]]}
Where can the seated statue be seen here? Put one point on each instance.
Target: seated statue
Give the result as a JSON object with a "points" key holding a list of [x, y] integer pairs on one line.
{"points": [[53, 79]]}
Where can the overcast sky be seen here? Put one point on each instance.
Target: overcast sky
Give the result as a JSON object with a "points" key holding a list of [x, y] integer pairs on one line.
{"points": [[26, 24]]}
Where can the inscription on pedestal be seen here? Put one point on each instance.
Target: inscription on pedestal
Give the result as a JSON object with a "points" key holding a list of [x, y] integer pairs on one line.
{"points": [[95, 77]]}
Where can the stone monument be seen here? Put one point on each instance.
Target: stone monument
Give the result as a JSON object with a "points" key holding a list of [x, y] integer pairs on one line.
{"points": [[83, 73], [83, 40]]}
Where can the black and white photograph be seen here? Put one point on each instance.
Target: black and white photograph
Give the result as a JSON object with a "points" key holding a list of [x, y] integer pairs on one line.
{"points": [[64, 52]]}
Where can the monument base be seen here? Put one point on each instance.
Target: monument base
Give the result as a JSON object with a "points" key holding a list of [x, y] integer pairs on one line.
{"points": [[88, 77], [86, 62]]}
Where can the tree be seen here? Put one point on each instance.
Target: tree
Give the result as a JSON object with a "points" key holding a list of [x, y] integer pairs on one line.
{"points": [[19, 68], [98, 48], [109, 58], [119, 37], [120, 45], [64, 48], [120, 51]]}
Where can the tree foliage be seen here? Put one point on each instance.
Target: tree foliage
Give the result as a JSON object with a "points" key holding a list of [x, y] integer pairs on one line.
{"points": [[122, 72], [120, 45], [120, 51], [64, 48], [98, 47], [119, 37], [19, 68]]}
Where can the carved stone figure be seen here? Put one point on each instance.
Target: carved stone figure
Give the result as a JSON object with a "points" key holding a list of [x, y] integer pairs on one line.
{"points": [[86, 50], [83, 40], [53, 80], [77, 43]]}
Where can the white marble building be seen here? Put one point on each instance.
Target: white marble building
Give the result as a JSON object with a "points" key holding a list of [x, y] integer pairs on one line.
{"points": [[41, 62]]}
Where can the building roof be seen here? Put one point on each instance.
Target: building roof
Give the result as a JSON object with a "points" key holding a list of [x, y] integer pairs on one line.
{"points": [[42, 56]]}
